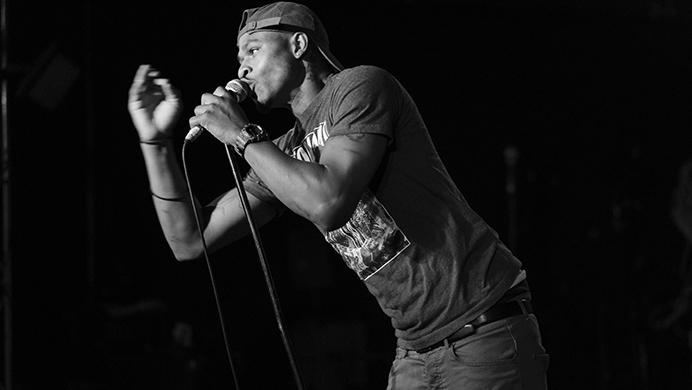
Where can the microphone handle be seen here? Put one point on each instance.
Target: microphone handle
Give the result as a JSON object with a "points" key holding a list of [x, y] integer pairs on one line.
{"points": [[239, 96], [193, 133]]}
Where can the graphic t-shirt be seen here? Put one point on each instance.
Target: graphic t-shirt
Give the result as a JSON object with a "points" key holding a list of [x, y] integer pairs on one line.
{"points": [[430, 261]]}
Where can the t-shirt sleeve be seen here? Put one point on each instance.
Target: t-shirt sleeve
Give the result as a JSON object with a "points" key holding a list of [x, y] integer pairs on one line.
{"points": [[366, 102]]}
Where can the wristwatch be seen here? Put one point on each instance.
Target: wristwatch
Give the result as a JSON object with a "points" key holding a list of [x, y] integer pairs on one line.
{"points": [[249, 134]]}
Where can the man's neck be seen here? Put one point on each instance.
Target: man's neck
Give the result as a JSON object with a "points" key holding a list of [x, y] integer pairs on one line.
{"points": [[311, 86]]}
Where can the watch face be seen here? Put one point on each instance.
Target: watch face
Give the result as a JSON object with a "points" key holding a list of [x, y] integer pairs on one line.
{"points": [[254, 130], [257, 132], [250, 133]]}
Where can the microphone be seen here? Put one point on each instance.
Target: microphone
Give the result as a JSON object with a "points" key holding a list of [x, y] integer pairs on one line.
{"points": [[239, 89]]}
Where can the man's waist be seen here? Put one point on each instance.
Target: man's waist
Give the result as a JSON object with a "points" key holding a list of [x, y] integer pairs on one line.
{"points": [[516, 301]]}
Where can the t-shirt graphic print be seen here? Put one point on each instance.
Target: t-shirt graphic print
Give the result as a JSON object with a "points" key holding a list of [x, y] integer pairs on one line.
{"points": [[370, 239]]}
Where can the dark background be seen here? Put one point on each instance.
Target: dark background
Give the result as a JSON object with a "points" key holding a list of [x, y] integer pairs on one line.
{"points": [[594, 96]]}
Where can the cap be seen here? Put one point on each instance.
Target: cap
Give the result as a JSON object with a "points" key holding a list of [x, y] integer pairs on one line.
{"points": [[289, 16]]}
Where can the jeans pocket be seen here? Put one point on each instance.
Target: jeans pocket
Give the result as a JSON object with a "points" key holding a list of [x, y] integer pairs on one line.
{"points": [[494, 347]]}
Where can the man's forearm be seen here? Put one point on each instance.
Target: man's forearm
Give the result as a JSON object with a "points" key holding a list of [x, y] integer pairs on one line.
{"points": [[171, 200], [295, 183], [325, 193]]}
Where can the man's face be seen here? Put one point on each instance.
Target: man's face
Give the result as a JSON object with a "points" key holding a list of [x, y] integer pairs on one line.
{"points": [[268, 65]]}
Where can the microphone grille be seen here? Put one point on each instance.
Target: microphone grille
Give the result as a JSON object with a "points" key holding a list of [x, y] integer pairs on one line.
{"points": [[239, 88]]}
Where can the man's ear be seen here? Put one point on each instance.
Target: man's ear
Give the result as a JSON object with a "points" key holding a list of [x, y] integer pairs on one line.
{"points": [[299, 43]]}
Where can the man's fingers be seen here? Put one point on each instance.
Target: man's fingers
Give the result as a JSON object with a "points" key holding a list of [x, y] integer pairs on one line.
{"points": [[221, 91], [144, 76], [141, 79], [141, 73], [195, 121], [148, 83], [138, 80], [201, 109], [207, 98], [170, 92]]}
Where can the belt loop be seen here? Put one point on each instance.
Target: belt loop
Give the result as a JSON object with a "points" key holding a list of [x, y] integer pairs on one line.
{"points": [[523, 306], [450, 348]]}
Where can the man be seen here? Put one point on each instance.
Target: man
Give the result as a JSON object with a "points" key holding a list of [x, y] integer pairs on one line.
{"points": [[360, 165]]}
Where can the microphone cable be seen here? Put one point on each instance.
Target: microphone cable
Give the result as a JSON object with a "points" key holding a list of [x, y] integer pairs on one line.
{"points": [[211, 273], [265, 268], [262, 258]]}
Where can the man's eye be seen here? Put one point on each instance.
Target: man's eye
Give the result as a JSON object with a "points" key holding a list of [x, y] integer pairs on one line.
{"points": [[248, 53]]}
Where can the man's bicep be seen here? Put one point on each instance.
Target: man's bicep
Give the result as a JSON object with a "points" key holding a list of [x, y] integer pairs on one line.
{"points": [[353, 159]]}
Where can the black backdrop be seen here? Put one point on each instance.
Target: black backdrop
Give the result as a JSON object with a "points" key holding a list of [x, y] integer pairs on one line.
{"points": [[594, 97]]}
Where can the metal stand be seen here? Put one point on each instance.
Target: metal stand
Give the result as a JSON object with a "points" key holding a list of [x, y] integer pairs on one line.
{"points": [[6, 261], [267, 275]]}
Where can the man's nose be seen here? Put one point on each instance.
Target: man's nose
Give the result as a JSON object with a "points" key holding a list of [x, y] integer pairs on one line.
{"points": [[243, 71]]}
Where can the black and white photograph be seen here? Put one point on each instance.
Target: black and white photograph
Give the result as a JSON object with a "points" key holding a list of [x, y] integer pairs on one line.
{"points": [[356, 195]]}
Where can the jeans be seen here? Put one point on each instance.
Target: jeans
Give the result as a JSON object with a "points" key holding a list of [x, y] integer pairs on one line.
{"points": [[505, 354]]}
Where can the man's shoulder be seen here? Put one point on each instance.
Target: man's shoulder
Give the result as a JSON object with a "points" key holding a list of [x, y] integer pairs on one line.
{"points": [[364, 78], [364, 72]]}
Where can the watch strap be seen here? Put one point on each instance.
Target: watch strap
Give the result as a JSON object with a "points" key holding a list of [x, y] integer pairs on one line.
{"points": [[249, 134]]}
